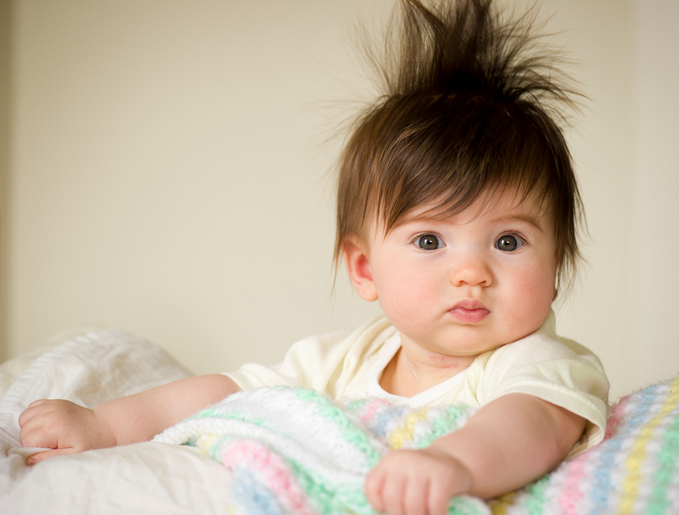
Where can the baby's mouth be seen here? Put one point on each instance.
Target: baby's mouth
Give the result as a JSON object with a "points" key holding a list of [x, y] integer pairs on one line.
{"points": [[469, 311]]}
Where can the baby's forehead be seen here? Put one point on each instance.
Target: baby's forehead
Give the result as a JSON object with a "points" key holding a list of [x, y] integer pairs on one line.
{"points": [[491, 206]]}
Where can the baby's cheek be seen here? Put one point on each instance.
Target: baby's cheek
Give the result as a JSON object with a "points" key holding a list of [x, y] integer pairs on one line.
{"points": [[404, 304], [532, 306]]}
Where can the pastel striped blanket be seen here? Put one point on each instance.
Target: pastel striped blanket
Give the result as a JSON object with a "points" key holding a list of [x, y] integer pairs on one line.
{"points": [[635, 470], [293, 451]]}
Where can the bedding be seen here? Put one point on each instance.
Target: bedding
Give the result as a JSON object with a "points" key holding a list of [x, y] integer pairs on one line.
{"points": [[271, 451], [294, 451], [91, 366]]}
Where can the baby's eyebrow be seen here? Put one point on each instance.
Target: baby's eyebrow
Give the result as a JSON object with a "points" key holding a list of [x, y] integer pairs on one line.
{"points": [[429, 218], [521, 217]]}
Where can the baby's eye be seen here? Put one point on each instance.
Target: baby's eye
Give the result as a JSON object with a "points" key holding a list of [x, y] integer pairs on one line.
{"points": [[509, 243], [429, 242]]}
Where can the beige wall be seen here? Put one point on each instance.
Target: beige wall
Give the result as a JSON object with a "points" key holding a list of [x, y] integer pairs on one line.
{"points": [[5, 52], [654, 211], [602, 40], [170, 174]]}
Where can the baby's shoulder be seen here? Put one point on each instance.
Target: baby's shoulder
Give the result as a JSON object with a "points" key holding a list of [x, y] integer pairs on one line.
{"points": [[540, 348], [341, 347]]}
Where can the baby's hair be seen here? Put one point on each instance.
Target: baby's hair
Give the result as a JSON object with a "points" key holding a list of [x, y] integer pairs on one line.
{"points": [[468, 108]]}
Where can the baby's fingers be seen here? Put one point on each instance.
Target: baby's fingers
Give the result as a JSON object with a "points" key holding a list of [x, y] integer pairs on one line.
{"points": [[37, 403], [373, 489], [438, 501], [41, 425], [40, 456], [416, 496], [393, 494], [30, 412], [38, 437]]}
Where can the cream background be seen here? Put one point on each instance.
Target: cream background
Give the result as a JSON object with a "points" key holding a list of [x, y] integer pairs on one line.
{"points": [[165, 168]]}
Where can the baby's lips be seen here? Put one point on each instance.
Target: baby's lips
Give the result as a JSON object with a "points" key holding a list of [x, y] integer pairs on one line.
{"points": [[470, 305], [469, 311]]}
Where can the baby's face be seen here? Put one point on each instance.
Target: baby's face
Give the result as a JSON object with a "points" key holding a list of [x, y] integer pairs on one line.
{"points": [[469, 283]]}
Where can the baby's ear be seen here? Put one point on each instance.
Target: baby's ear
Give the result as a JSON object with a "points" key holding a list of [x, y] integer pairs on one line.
{"points": [[357, 261]]}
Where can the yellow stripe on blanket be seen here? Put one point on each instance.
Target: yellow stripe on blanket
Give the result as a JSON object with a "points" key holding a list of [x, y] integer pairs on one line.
{"points": [[204, 442], [501, 505], [637, 456], [405, 433]]}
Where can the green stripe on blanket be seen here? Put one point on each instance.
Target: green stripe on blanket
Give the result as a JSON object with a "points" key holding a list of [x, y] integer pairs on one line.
{"points": [[294, 451]]}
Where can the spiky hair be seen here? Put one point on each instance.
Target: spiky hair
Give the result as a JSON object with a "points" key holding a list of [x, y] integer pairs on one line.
{"points": [[470, 105]]}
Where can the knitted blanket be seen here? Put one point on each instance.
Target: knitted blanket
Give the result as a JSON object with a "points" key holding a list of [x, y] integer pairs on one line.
{"points": [[635, 470], [293, 451]]}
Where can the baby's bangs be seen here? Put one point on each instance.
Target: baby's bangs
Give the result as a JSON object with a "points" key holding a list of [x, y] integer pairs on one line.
{"points": [[460, 149]]}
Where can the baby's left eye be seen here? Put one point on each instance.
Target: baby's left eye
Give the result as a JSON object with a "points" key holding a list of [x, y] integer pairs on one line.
{"points": [[429, 242], [509, 243]]}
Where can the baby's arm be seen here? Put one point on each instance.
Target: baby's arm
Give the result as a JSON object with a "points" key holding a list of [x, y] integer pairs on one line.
{"points": [[67, 428], [505, 445]]}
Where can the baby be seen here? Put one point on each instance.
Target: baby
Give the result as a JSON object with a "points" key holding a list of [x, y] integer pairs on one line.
{"points": [[457, 210]]}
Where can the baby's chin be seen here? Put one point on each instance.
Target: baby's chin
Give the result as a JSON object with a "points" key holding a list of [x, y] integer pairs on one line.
{"points": [[449, 352], [470, 346], [463, 341], [475, 350]]}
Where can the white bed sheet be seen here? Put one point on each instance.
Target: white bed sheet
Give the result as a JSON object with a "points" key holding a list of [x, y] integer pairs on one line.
{"points": [[88, 367]]}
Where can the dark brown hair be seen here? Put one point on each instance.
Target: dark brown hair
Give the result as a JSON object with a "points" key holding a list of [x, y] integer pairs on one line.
{"points": [[469, 107]]}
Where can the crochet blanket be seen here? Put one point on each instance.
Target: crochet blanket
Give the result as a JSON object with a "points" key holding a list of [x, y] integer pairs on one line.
{"points": [[635, 470], [293, 451]]}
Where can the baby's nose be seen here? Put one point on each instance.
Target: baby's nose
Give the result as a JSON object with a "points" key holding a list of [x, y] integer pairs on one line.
{"points": [[472, 271]]}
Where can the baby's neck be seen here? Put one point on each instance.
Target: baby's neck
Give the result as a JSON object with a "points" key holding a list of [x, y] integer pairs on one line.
{"points": [[408, 374]]}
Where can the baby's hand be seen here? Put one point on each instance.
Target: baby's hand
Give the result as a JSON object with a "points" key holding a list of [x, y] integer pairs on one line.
{"points": [[416, 482], [64, 427]]}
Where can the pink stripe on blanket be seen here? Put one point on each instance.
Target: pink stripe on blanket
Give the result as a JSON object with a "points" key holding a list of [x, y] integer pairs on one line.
{"points": [[616, 416], [371, 408], [571, 493], [270, 467]]}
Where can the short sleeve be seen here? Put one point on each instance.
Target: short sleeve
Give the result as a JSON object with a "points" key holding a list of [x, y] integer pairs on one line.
{"points": [[330, 364], [309, 363], [556, 370]]}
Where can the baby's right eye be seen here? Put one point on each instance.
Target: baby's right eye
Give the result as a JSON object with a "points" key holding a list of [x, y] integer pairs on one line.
{"points": [[429, 242]]}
